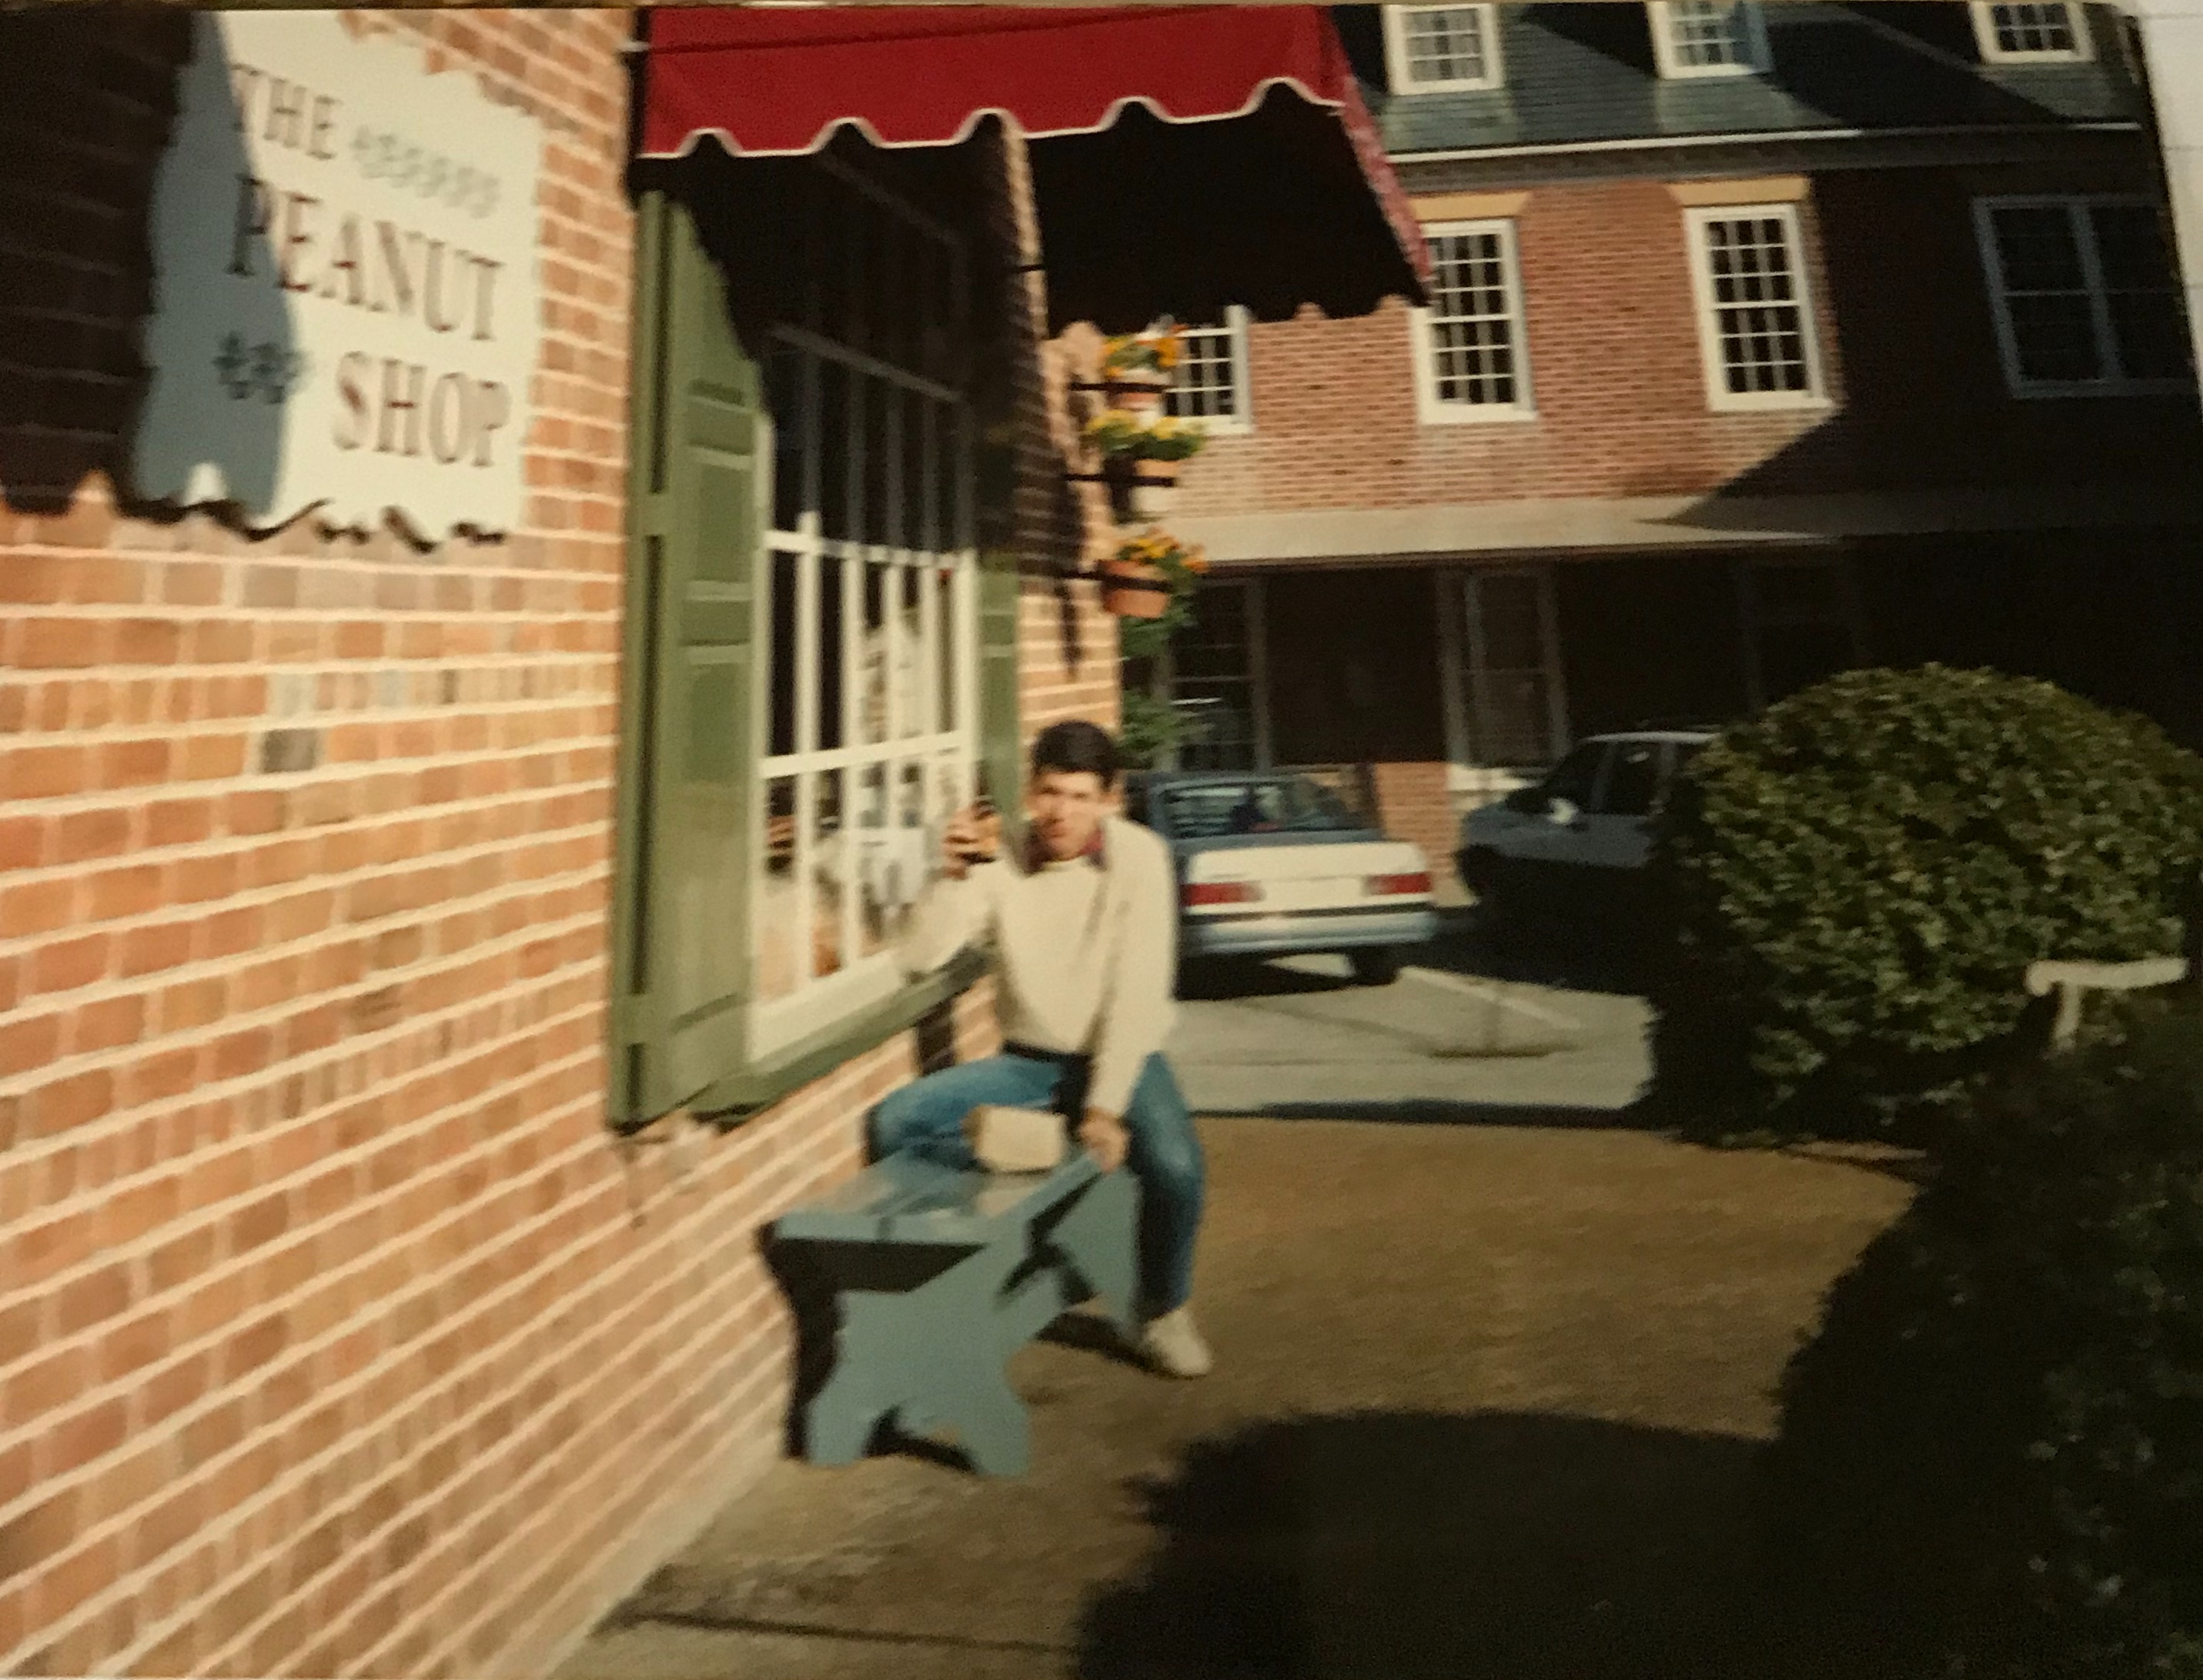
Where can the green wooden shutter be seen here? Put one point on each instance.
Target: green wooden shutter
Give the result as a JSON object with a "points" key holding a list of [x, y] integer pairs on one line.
{"points": [[681, 934]]}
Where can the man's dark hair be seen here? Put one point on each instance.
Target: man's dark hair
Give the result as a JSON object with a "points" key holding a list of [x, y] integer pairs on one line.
{"points": [[1074, 748]]}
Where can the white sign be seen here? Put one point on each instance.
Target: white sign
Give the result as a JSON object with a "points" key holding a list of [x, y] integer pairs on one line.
{"points": [[346, 313]]}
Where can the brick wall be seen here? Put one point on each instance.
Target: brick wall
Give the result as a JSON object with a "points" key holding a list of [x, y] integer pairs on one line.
{"points": [[337, 1334], [1907, 348], [1413, 805]]}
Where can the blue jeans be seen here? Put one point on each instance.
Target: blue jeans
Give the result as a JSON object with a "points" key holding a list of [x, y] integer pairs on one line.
{"points": [[927, 1117]]}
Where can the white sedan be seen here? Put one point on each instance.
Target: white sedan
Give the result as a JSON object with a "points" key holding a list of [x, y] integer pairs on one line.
{"points": [[1273, 864]]}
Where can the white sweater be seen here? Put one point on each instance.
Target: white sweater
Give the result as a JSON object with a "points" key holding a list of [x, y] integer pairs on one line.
{"points": [[1084, 954]]}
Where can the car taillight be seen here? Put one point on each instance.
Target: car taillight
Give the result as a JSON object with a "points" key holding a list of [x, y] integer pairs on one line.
{"points": [[1200, 893], [1378, 885]]}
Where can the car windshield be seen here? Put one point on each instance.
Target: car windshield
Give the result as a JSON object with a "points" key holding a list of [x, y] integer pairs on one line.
{"points": [[1270, 805]]}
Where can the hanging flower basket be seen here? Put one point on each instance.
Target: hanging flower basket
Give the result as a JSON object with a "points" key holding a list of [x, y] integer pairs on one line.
{"points": [[1134, 589], [1137, 368], [1142, 487], [1150, 576]]}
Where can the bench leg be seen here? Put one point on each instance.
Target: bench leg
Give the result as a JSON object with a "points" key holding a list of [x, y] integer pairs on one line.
{"points": [[1100, 1237], [928, 1353]]}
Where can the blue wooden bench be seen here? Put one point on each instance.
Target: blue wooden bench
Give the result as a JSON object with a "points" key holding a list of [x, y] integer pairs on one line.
{"points": [[914, 1284]]}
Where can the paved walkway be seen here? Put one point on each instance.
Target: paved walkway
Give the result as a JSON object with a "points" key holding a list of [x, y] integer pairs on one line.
{"points": [[1485, 1411]]}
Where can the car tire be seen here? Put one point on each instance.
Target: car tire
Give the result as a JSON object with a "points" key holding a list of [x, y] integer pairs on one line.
{"points": [[1374, 968]]}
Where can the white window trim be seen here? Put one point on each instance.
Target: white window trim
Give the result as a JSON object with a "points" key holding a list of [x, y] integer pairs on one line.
{"points": [[1242, 418], [1719, 397], [1672, 68], [1429, 409], [819, 1004], [2074, 204], [1397, 63], [2082, 51]]}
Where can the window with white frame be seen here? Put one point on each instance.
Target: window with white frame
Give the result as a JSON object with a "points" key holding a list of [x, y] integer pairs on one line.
{"points": [[869, 693], [1756, 326], [1443, 49], [1471, 349], [2086, 295], [1215, 672], [1210, 383], [1708, 38], [2042, 32]]}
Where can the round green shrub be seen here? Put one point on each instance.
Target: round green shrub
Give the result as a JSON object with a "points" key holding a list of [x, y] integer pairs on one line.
{"points": [[1854, 884], [1996, 1439]]}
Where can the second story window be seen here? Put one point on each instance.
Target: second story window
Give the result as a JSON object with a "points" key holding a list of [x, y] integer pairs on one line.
{"points": [[2043, 32], [1210, 384], [1755, 308], [1708, 38], [2086, 297], [1472, 361], [1442, 49]]}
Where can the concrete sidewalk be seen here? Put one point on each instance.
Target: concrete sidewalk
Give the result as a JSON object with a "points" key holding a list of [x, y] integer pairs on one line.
{"points": [[1485, 1409]]}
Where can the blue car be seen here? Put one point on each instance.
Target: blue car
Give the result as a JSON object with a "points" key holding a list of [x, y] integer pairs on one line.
{"points": [[1271, 863]]}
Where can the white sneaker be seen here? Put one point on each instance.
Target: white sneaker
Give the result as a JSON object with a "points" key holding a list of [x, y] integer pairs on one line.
{"points": [[1173, 1346]]}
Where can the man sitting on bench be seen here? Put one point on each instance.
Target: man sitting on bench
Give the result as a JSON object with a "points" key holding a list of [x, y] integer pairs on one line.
{"points": [[1085, 930]]}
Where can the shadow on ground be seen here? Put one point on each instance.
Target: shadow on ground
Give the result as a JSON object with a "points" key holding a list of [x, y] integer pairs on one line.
{"points": [[1492, 1547]]}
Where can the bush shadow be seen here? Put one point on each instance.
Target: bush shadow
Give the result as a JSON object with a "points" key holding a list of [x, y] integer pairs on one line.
{"points": [[1442, 1112], [1488, 1547]]}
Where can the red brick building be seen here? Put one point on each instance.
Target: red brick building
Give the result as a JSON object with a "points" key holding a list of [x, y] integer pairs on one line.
{"points": [[1766, 341], [415, 996]]}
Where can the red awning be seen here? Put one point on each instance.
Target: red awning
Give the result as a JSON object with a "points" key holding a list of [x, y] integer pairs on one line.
{"points": [[781, 82]]}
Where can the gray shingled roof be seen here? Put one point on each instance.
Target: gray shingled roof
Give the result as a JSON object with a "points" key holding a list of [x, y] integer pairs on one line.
{"points": [[1586, 72]]}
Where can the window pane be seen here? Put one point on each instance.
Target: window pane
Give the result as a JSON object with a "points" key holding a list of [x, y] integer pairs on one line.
{"points": [[2033, 28], [947, 628], [1577, 774], [1513, 724], [913, 680], [1205, 384], [780, 731], [882, 403], [778, 913], [2150, 332], [784, 374], [1633, 779], [1513, 638], [1473, 319], [1706, 33], [911, 483], [829, 870], [1445, 44], [1758, 315], [2036, 244], [836, 481], [830, 594], [2131, 247], [875, 857], [872, 686], [2056, 338]]}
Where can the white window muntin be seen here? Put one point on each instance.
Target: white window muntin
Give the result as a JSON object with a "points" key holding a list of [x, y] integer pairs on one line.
{"points": [[1708, 38], [1499, 736], [1211, 383], [1743, 332], [1496, 352], [2092, 286], [1443, 49], [920, 657], [2044, 32]]}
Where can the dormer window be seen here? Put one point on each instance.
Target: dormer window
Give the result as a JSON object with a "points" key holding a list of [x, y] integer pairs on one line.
{"points": [[1442, 49], [1708, 38], [2047, 32]]}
